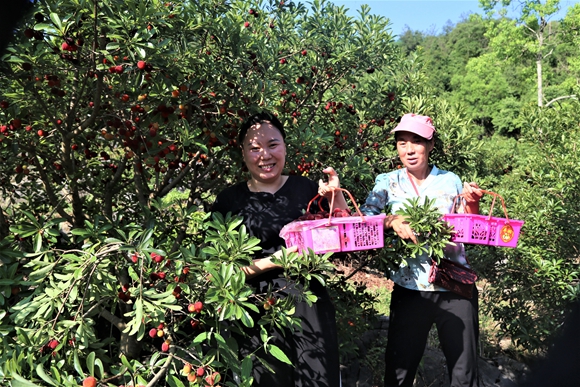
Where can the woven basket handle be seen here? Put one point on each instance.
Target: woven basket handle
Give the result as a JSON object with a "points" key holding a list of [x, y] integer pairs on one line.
{"points": [[332, 204], [495, 196]]}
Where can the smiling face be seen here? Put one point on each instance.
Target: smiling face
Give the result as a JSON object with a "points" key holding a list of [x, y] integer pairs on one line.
{"points": [[264, 153], [414, 152]]}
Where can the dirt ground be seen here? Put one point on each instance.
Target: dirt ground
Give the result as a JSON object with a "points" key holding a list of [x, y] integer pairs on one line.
{"points": [[371, 278]]}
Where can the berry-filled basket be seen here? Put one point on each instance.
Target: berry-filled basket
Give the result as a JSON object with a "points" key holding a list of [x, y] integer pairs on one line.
{"points": [[335, 234], [484, 229]]}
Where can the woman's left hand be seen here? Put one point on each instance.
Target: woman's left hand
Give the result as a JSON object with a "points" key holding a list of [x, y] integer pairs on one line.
{"points": [[472, 195], [326, 189], [471, 192]]}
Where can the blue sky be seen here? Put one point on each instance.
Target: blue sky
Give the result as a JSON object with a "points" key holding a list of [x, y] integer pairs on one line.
{"points": [[424, 15]]}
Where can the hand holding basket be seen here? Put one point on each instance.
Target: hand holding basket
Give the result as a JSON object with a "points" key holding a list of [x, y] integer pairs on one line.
{"points": [[335, 234], [482, 229]]}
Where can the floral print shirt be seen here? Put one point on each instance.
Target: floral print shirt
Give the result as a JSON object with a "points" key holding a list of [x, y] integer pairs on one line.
{"points": [[394, 189]]}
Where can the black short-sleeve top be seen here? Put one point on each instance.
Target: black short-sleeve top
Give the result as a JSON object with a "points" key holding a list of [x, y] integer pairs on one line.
{"points": [[264, 213]]}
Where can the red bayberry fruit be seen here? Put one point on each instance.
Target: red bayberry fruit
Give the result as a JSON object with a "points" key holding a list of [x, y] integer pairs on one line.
{"points": [[141, 65], [200, 371], [123, 296], [90, 382], [198, 306], [153, 333], [156, 257], [246, 24], [165, 346], [213, 378]]}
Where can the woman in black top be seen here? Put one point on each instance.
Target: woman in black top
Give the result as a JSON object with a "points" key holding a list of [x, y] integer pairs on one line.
{"points": [[267, 202]]}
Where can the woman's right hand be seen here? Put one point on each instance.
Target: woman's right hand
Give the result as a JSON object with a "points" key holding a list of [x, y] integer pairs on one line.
{"points": [[262, 265], [401, 227]]}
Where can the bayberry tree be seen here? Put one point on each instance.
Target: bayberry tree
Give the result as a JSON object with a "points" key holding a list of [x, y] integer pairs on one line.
{"points": [[118, 125]]}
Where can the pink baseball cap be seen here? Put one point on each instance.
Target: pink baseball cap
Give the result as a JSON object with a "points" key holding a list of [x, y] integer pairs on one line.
{"points": [[414, 123]]}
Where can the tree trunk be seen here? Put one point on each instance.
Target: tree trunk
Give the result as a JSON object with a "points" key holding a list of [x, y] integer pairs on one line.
{"points": [[539, 60], [539, 72]]}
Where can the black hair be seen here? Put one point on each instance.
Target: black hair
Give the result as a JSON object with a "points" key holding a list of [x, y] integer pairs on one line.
{"points": [[260, 118]]}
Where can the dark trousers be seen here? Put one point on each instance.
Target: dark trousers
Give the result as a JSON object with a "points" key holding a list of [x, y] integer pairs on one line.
{"points": [[313, 349], [412, 314]]}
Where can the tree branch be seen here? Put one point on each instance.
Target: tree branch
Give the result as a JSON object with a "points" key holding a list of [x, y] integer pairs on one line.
{"points": [[142, 190], [573, 96], [163, 369], [4, 226], [174, 182], [53, 199], [110, 191]]}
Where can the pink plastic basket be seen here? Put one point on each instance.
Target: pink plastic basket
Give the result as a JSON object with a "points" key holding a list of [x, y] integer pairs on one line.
{"points": [[352, 233], [485, 230]]}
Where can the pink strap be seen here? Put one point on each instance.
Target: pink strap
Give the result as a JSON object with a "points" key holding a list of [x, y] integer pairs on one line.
{"points": [[413, 183]]}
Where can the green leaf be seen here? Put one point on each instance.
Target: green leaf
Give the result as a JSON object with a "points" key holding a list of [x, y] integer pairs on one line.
{"points": [[174, 381], [56, 20], [246, 319], [141, 51], [91, 363], [41, 273], [19, 381], [77, 364], [56, 374], [44, 376], [42, 26], [200, 338], [246, 367], [127, 364], [112, 46], [100, 367], [278, 353], [37, 242]]}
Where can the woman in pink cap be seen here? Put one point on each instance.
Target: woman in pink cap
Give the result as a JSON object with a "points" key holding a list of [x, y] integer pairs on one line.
{"points": [[417, 304]]}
